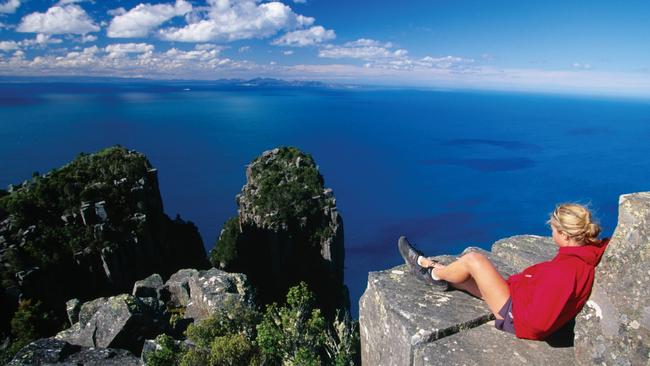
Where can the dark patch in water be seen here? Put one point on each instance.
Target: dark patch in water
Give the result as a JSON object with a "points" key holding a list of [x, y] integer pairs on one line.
{"points": [[486, 165], [437, 234], [508, 145]]}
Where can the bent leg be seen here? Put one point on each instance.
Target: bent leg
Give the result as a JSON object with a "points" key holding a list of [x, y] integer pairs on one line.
{"points": [[470, 287], [475, 266]]}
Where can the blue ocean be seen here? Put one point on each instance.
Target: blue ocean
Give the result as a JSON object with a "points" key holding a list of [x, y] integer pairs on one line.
{"points": [[449, 169]]}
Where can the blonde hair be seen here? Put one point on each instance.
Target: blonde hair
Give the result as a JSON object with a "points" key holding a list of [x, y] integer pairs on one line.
{"points": [[576, 221]]}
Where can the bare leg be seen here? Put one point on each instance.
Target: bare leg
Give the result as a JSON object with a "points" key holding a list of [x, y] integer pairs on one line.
{"points": [[470, 287], [475, 274]]}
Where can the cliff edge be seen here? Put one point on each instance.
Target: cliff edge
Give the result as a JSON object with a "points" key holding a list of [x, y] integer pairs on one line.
{"points": [[405, 322]]}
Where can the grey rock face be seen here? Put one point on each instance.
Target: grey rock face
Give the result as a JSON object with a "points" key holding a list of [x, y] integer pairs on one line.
{"points": [[210, 289], [72, 307], [614, 327], [176, 290], [523, 251], [486, 345], [57, 352], [405, 322], [121, 321], [148, 287], [289, 218]]}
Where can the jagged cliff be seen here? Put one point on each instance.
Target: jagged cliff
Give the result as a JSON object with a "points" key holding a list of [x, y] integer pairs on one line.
{"points": [[404, 322], [287, 230], [90, 228]]}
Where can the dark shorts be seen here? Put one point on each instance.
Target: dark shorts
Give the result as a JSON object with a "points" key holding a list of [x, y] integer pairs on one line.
{"points": [[506, 324]]}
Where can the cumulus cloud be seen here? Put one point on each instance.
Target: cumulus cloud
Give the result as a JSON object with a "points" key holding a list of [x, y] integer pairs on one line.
{"points": [[9, 6], [230, 20], [142, 19], [122, 49], [85, 38], [363, 49], [305, 37], [7, 46], [126, 59], [64, 19]]}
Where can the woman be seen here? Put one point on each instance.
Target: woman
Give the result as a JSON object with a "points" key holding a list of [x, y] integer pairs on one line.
{"points": [[538, 301]]}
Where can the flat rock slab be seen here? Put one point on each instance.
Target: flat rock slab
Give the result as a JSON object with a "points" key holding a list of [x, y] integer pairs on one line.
{"points": [[485, 345], [398, 312], [523, 251]]}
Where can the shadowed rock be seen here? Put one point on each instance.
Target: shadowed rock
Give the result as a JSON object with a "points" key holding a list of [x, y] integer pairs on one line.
{"points": [[122, 321], [52, 351], [211, 289], [614, 326], [149, 287]]}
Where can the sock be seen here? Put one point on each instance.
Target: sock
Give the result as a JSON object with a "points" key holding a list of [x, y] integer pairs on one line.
{"points": [[420, 260], [434, 276]]}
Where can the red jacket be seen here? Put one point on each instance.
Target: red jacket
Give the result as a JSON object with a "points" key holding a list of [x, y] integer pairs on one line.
{"points": [[547, 295]]}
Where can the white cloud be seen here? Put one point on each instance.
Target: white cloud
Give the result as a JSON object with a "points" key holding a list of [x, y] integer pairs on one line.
{"points": [[142, 19], [243, 49], [7, 46], [363, 49], [305, 37], [41, 40], [84, 38], [59, 20], [9, 6], [127, 60], [122, 49], [582, 66], [446, 62], [117, 11], [288, 53], [230, 20]]}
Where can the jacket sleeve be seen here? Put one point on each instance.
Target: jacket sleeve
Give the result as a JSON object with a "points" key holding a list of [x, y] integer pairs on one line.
{"points": [[547, 292]]}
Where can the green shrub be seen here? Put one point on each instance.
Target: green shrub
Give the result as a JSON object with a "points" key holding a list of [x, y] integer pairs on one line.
{"points": [[225, 338], [290, 333], [225, 250], [168, 355]]}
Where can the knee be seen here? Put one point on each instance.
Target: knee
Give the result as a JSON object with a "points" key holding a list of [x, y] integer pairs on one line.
{"points": [[474, 258]]}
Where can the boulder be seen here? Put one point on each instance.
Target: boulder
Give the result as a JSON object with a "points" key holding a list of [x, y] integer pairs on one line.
{"points": [[405, 322], [486, 345], [523, 251], [176, 291], [122, 321], [46, 350], [57, 352], [614, 327], [72, 307], [148, 287], [211, 289]]}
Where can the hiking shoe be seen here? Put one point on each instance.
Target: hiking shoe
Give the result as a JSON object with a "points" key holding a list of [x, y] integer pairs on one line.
{"points": [[424, 275], [409, 253]]}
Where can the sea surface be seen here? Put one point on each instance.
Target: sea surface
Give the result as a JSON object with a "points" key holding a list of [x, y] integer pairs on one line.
{"points": [[449, 169]]}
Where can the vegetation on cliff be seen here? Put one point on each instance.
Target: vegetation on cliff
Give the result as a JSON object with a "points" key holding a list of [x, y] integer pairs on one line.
{"points": [[295, 333], [88, 229], [287, 217]]}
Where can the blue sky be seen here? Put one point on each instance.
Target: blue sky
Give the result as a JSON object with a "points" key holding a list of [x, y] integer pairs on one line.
{"points": [[597, 47]]}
